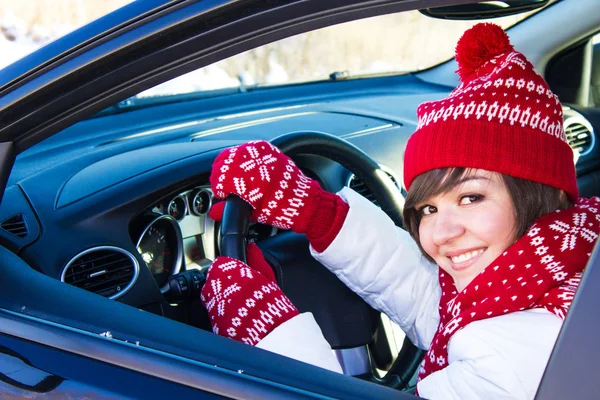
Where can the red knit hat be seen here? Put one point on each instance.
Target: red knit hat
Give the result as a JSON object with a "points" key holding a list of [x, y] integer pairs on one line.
{"points": [[503, 117]]}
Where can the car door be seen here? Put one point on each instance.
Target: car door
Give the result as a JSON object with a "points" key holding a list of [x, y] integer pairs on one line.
{"points": [[58, 337], [29, 369]]}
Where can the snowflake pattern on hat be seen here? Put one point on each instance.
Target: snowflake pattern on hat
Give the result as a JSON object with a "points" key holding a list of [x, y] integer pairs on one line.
{"points": [[541, 270], [525, 102]]}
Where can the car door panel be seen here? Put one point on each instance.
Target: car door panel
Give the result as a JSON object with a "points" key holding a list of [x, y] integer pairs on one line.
{"points": [[28, 369]]}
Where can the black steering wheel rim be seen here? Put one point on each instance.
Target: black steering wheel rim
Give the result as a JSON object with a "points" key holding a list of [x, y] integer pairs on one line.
{"points": [[236, 216], [352, 158]]}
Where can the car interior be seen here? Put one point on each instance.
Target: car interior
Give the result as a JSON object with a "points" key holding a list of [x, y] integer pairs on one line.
{"points": [[112, 211]]}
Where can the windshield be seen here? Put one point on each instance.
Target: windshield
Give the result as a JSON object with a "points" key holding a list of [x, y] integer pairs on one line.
{"points": [[389, 44]]}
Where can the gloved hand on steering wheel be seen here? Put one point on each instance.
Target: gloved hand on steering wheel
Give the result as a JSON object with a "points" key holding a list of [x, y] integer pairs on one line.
{"points": [[243, 301], [279, 193]]}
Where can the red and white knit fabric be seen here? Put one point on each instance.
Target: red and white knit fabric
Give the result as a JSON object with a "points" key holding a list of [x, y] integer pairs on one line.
{"points": [[273, 185], [280, 194], [541, 270], [242, 303], [503, 112]]}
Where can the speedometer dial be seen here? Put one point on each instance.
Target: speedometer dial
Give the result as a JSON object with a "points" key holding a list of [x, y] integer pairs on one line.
{"points": [[201, 202], [160, 246], [177, 208]]}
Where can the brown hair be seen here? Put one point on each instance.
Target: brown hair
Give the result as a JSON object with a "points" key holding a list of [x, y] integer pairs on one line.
{"points": [[530, 199]]}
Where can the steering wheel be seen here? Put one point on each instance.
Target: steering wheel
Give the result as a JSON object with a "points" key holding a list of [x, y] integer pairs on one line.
{"points": [[346, 320]]}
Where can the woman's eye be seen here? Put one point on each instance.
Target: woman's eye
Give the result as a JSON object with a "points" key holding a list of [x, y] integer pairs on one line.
{"points": [[427, 210], [471, 198]]}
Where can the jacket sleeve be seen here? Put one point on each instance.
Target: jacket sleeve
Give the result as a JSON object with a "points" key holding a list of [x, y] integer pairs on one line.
{"points": [[383, 265], [497, 358], [301, 338]]}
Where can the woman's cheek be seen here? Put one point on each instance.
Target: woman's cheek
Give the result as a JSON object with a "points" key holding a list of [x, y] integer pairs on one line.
{"points": [[426, 237]]}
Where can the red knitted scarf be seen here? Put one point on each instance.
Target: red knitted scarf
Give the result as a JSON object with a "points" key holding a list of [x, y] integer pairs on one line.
{"points": [[541, 270]]}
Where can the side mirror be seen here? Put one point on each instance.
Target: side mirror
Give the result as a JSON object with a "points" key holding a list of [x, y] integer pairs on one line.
{"points": [[484, 9]]}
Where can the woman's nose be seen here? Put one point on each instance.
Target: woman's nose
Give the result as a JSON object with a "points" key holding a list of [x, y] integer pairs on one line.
{"points": [[447, 227]]}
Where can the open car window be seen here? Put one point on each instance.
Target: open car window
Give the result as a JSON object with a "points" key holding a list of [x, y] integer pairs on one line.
{"points": [[27, 26]]}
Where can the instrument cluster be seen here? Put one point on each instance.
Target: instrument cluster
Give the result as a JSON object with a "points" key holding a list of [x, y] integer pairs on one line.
{"points": [[195, 202], [177, 234]]}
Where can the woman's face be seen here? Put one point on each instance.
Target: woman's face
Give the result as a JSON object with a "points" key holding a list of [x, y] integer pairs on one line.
{"points": [[468, 227]]}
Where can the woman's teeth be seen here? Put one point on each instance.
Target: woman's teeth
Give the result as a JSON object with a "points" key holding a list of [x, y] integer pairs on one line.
{"points": [[466, 256]]}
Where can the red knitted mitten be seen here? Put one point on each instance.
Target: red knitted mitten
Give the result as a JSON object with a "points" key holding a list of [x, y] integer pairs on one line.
{"points": [[280, 194], [242, 303]]}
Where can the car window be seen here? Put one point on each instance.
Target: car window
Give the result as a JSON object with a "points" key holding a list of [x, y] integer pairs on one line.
{"points": [[28, 25]]}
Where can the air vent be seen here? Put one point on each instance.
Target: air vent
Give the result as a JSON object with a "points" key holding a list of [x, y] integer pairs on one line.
{"points": [[580, 134], [359, 187], [107, 271], [15, 225]]}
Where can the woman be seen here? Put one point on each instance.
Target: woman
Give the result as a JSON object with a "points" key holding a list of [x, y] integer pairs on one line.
{"points": [[500, 238]]}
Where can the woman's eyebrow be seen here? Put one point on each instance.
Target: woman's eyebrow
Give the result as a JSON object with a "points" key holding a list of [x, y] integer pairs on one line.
{"points": [[458, 183], [472, 178]]}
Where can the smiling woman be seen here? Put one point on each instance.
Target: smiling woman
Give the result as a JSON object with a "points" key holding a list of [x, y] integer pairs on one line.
{"points": [[486, 216], [493, 208], [478, 208]]}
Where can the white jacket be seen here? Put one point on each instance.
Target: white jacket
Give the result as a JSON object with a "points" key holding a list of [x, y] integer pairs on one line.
{"points": [[496, 358]]}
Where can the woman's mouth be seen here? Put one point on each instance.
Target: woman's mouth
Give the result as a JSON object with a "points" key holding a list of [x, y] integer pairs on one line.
{"points": [[465, 260]]}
